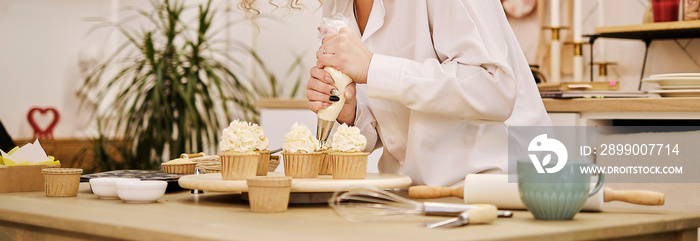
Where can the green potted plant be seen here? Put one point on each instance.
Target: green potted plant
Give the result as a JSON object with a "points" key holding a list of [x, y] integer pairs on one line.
{"points": [[169, 88]]}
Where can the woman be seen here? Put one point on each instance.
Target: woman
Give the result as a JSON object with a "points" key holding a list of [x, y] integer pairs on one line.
{"points": [[436, 83]]}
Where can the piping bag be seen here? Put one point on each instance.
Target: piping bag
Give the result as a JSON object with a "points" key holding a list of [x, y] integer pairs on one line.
{"points": [[328, 116], [495, 189]]}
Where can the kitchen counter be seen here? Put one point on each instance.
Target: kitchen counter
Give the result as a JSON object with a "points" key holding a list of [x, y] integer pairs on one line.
{"points": [[217, 216]]}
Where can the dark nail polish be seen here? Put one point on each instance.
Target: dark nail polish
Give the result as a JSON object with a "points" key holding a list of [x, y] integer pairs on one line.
{"points": [[335, 92], [334, 98]]}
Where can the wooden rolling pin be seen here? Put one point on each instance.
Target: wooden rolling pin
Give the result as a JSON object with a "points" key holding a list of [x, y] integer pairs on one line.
{"points": [[495, 189], [640, 197]]}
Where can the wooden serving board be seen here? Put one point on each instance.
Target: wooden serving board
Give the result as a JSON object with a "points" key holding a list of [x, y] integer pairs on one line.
{"points": [[323, 183]]}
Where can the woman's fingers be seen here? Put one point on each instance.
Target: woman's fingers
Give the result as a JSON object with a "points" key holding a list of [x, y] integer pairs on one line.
{"points": [[316, 105], [346, 53], [318, 89], [321, 75], [313, 95]]}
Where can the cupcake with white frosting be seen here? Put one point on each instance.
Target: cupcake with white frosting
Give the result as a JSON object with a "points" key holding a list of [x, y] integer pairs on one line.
{"points": [[300, 153], [348, 161], [239, 160]]}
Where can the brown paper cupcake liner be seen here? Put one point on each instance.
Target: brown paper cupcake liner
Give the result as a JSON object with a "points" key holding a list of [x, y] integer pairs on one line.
{"points": [[238, 166], [301, 165], [185, 168], [263, 162], [269, 194], [325, 167], [61, 182], [349, 165]]}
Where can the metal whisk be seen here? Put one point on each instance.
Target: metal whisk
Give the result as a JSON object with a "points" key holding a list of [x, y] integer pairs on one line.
{"points": [[369, 204]]}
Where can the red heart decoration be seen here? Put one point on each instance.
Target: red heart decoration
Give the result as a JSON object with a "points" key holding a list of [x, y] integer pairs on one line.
{"points": [[43, 133]]}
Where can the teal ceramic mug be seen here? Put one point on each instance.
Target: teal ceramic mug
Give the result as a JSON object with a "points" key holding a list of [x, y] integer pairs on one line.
{"points": [[558, 195]]}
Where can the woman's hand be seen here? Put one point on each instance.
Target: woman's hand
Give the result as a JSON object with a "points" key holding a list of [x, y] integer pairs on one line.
{"points": [[318, 91], [346, 53]]}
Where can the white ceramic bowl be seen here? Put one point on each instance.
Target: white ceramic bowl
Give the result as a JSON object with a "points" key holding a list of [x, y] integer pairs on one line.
{"points": [[141, 191], [105, 188]]}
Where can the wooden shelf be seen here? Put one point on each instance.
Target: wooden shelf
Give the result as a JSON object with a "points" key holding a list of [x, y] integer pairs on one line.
{"points": [[660, 30], [667, 104], [282, 104]]}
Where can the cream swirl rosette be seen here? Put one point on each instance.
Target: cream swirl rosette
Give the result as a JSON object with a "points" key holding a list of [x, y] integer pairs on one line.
{"points": [[300, 140], [348, 139], [300, 156], [257, 132], [239, 137], [347, 160]]}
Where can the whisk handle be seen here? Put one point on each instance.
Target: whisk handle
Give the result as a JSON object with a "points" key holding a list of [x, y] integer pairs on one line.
{"points": [[429, 192], [482, 214]]}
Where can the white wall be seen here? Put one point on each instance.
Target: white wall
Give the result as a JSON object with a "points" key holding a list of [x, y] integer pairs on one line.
{"points": [[40, 41], [39, 46], [290, 34]]}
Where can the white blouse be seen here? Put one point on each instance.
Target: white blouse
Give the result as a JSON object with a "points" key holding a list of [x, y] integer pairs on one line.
{"points": [[446, 81]]}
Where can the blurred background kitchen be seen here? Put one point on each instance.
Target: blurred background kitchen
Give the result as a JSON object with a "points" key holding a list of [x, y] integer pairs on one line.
{"points": [[49, 48]]}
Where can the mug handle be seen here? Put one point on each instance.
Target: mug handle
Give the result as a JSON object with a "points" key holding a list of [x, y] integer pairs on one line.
{"points": [[598, 185]]}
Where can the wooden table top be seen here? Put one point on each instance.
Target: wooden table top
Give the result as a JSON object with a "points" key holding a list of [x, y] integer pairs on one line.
{"points": [[217, 216]]}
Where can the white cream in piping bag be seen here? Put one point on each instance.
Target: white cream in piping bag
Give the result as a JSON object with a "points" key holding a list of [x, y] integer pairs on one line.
{"points": [[341, 81], [328, 116]]}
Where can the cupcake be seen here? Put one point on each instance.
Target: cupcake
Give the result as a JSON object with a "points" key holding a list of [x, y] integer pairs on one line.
{"points": [[300, 156], [239, 160], [261, 149], [346, 156], [184, 166]]}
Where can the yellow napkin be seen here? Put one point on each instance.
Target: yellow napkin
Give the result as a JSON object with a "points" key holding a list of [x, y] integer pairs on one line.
{"points": [[29, 154]]}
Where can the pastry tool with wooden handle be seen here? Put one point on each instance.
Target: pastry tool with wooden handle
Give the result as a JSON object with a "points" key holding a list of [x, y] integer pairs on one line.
{"points": [[480, 215], [495, 189], [640, 197]]}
